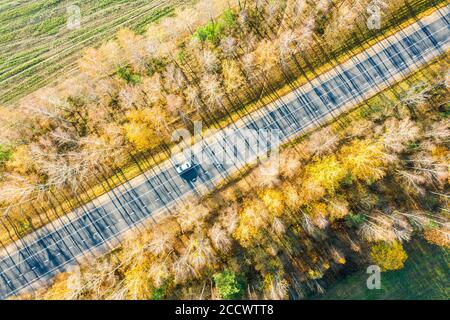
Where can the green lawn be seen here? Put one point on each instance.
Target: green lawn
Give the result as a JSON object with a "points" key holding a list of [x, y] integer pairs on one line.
{"points": [[426, 275]]}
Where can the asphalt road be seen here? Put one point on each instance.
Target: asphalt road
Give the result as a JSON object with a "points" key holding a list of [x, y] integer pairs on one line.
{"points": [[98, 226]]}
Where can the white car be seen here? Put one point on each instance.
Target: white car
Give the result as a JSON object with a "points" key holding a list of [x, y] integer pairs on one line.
{"points": [[187, 171], [183, 167]]}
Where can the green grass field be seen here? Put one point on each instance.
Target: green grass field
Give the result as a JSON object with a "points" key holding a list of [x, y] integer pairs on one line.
{"points": [[425, 276], [36, 47]]}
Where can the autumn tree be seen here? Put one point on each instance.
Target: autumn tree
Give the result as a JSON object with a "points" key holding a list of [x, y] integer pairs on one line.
{"points": [[364, 159], [253, 219], [60, 290], [137, 280], [327, 172], [398, 134], [388, 256], [133, 46], [233, 78], [322, 142], [192, 215], [274, 201], [438, 235], [338, 208], [200, 253], [229, 285], [275, 288], [220, 238], [266, 56], [213, 91], [146, 128]]}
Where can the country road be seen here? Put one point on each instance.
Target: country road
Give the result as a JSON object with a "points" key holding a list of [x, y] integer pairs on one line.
{"points": [[98, 226]]}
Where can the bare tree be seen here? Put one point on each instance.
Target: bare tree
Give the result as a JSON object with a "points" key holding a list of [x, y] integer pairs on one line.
{"points": [[191, 216], [399, 133], [322, 142], [220, 238], [277, 289], [161, 244], [439, 131], [229, 46], [212, 89], [209, 61]]}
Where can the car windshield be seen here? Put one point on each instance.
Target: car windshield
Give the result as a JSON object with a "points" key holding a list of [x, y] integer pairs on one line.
{"points": [[183, 167]]}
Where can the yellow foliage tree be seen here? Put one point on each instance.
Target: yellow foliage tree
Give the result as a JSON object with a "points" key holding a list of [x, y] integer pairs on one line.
{"points": [[145, 128], [232, 76], [133, 46], [92, 63], [266, 55], [326, 172], [21, 161], [100, 63], [59, 289], [274, 201], [292, 197], [364, 159], [253, 219], [388, 256], [140, 135], [319, 209], [137, 280]]}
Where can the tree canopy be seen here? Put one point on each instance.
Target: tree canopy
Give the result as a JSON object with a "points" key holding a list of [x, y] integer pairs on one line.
{"points": [[388, 256], [229, 285]]}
